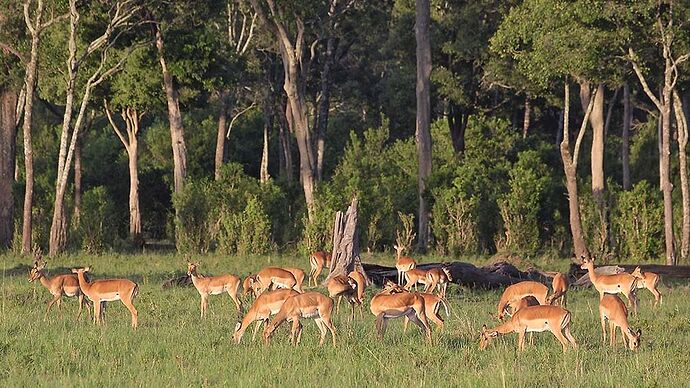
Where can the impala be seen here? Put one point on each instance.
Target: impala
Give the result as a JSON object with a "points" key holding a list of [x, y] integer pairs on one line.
{"points": [[623, 283], [273, 277], [414, 276], [438, 277], [299, 275], [317, 261], [214, 285], [343, 286], [612, 308], [393, 302], [58, 285], [361, 281], [517, 291], [402, 263], [533, 319], [265, 305], [307, 305], [560, 288], [108, 290], [251, 285], [650, 281], [432, 306]]}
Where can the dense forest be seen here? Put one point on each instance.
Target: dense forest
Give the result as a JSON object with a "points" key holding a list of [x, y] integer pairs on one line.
{"points": [[536, 127]]}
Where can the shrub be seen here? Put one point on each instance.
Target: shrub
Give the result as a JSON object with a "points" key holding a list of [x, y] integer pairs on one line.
{"points": [[194, 227], [248, 232], [96, 227], [638, 222], [454, 222]]}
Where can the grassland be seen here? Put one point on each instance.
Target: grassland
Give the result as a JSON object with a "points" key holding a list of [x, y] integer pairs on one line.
{"points": [[172, 347]]}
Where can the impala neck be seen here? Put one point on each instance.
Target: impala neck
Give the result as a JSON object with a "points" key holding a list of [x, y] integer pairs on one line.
{"points": [[83, 283], [592, 275], [43, 278], [504, 328]]}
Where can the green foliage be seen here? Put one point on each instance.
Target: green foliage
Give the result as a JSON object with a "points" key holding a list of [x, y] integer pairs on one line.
{"points": [[96, 228], [638, 222], [454, 221], [248, 232], [194, 227]]}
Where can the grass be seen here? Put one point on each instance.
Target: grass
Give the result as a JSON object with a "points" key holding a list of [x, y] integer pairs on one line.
{"points": [[172, 347]]}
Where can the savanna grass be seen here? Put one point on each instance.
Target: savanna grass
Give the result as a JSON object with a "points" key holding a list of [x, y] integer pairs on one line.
{"points": [[173, 347]]}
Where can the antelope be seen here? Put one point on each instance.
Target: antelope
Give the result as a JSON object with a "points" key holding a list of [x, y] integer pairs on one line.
{"points": [[623, 283], [612, 308], [438, 277], [432, 305], [533, 319], [402, 263], [59, 285], [650, 281], [274, 277], [414, 276], [517, 291], [343, 286], [299, 275], [251, 285], [214, 285], [307, 305], [361, 282], [317, 261], [108, 290], [560, 288], [265, 305], [394, 302]]}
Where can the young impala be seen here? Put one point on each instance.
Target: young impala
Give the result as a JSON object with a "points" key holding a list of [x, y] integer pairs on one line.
{"points": [[307, 305], [517, 291], [317, 261], [612, 308], [214, 285], [108, 290], [432, 306], [560, 288], [273, 277], [393, 302], [58, 285], [650, 281], [533, 319], [438, 277], [623, 283], [342, 286], [265, 305], [414, 276], [250, 285], [402, 263], [361, 282], [299, 275]]}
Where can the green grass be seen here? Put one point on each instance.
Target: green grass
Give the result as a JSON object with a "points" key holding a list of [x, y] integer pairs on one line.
{"points": [[172, 347]]}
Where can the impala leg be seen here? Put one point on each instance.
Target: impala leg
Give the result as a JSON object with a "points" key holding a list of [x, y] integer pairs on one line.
{"points": [[97, 311], [233, 296], [295, 332], [352, 304], [559, 336], [256, 328], [59, 303], [50, 304], [322, 329], [612, 333], [381, 325], [521, 339], [569, 336], [135, 315], [81, 304], [406, 320], [337, 306], [657, 296], [420, 320], [329, 324], [603, 328], [436, 319]]}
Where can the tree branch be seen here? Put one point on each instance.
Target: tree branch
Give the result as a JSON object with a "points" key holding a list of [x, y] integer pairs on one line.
{"points": [[243, 111], [643, 81], [583, 126], [114, 125]]}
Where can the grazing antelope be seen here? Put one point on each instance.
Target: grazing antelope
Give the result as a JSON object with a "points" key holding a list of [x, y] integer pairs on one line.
{"points": [[273, 277], [343, 286], [251, 285], [623, 283], [650, 281], [414, 276], [59, 285], [612, 308], [108, 290], [533, 319], [402, 263], [560, 288], [214, 285], [438, 277], [265, 305], [432, 306], [361, 286], [394, 302], [307, 305], [517, 291], [299, 275], [317, 261]]}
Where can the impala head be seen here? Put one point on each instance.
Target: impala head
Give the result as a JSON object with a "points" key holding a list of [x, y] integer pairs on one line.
{"points": [[637, 273], [36, 271], [236, 335], [486, 337], [352, 282], [634, 338], [391, 287], [585, 262], [248, 284], [81, 270], [192, 267], [447, 272], [399, 249]]}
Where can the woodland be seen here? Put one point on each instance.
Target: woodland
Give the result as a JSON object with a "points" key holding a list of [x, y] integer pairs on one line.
{"points": [[534, 128]]}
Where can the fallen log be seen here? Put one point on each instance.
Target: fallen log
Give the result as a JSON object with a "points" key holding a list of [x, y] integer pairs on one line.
{"points": [[665, 271]]}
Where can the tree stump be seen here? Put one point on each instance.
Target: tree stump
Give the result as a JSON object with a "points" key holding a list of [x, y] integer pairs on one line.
{"points": [[345, 243]]}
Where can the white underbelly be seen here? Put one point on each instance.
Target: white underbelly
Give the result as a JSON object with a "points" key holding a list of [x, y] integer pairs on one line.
{"points": [[110, 297], [217, 291]]}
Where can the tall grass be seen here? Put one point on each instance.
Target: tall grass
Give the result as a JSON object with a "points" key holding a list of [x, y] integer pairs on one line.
{"points": [[173, 347]]}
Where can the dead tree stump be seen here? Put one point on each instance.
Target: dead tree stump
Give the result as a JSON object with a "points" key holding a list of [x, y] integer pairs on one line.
{"points": [[345, 243]]}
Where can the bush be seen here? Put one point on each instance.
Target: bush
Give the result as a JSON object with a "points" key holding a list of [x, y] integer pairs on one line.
{"points": [[248, 232], [96, 227], [638, 222], [454, 222], [194, 227]]}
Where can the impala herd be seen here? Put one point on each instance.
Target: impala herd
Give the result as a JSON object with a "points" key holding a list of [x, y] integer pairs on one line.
{"points": [[525, 307]]}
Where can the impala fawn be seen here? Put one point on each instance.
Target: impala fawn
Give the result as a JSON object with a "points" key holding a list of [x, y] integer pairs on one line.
{"points": [[58, 285]]}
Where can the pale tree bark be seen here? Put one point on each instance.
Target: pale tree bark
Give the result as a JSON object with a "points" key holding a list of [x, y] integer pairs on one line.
{"points": [[220, 135], [8, 136], [625, 141], [682, 128], [285, 154], [345, 255], [423, 132], [76, 213], [268, 126], [526, 118], [570, 169], [129, 139]]}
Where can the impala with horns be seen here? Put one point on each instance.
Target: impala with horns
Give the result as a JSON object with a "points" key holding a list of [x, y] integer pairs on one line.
{"points": [[342, 286], [58, 286], [650, 281], [271, 278], [623, 283], [361, 281], [560, 288], [299, 275], [317, 261], [265, 305], [438, 277], [432, 308], [613, 310], [533, 319], [308, 305], [414, 276], [108, 290], [517, 291], [214, 285], [402, 263], [395, 302]]}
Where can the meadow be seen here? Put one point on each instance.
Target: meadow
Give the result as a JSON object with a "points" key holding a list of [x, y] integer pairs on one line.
{"points": [[173, 347]]}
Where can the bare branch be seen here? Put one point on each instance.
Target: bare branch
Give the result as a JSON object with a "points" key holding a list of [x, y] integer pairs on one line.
{"points": [[583, 126], [11, 50], [632, 57], [114, 125], [249, 36], [243, 111]]}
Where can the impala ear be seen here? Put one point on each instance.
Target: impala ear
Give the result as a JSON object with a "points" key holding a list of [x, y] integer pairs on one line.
{"points": [[494, 334], [237, 327], [75, 270], [87, 269], [639, 332], [483, 327]]}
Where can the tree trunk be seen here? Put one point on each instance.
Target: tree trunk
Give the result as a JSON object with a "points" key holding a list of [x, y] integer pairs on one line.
{"points": [[76, 214], [666, 185], [609, 113], [526, 118], [423, 133], [220, 136], [174, 118], [268, 125], [324, 106], [345, 242], [8, 138], [682, 128], [625, 146], [285, 154], [134, 211], [457, 123]]}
